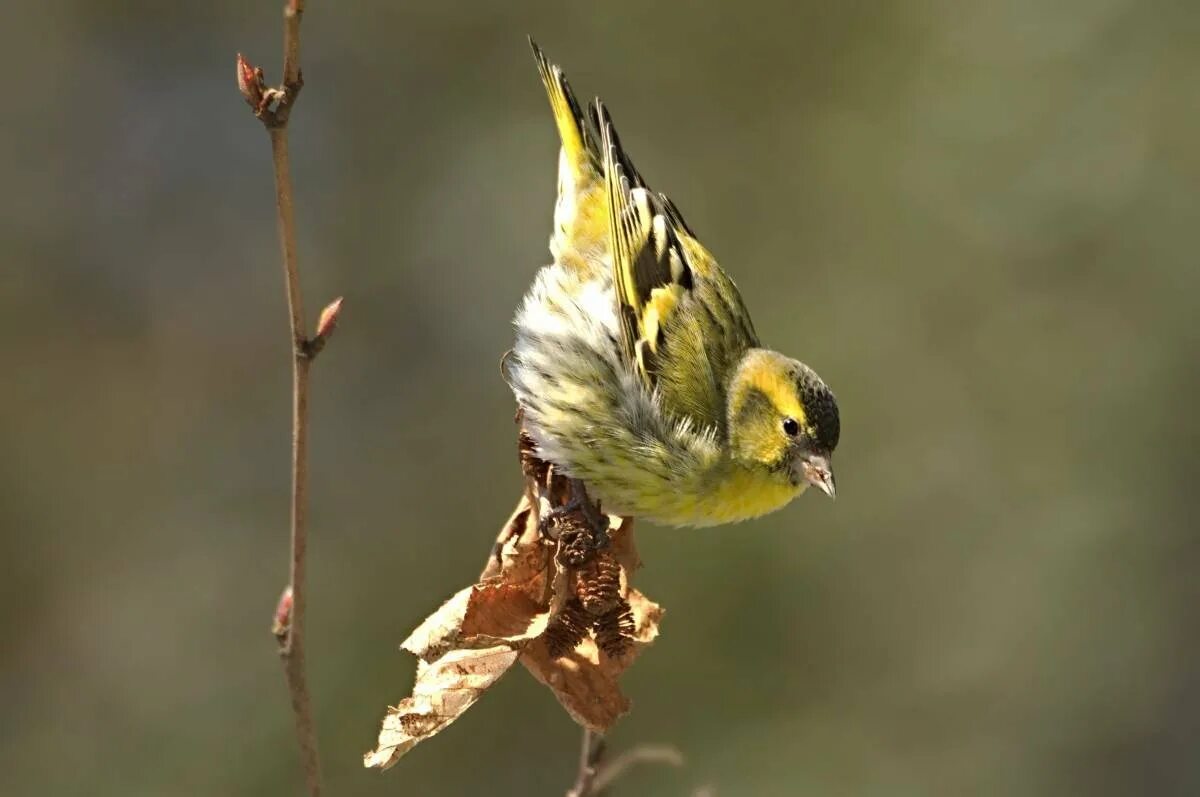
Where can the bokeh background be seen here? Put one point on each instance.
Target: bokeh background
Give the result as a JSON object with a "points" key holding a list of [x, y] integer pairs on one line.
{"points": [[978, 220]]}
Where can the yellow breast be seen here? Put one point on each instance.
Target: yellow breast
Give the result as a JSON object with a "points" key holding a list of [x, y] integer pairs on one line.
{"points": [[740, 494], [745, 494]]}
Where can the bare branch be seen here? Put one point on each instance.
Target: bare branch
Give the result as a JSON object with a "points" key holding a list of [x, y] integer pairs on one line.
{"points": [[591, 753], [273, 107], [291, 40], [287, 234], [595, 774], [642, 754]]}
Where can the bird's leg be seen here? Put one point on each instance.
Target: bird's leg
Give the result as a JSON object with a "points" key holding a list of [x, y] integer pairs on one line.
{"points": [[549, 520], [578, 501], [591, 512]]}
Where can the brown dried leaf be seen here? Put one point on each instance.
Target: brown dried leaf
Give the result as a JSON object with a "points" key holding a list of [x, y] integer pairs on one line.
{"points": [[467, 644], [443, 691], [519, 556], [623, 547], [439, 631], [480, 616], [585, 681]]}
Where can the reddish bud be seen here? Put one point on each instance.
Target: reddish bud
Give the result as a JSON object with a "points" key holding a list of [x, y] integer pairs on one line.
{"points": [[327, 322], [283, 615], [252, 84]]}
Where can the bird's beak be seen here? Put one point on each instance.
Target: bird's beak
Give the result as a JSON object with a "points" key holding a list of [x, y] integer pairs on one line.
{"points": [[819, 474]]}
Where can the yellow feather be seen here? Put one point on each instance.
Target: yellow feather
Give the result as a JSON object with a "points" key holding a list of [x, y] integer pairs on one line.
{"points": [[747, 493], [575, 153], [658, 309], [764, 371]]}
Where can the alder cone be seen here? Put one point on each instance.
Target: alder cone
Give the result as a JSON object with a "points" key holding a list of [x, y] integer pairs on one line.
{"points": [[598, 585], [567, 629]]}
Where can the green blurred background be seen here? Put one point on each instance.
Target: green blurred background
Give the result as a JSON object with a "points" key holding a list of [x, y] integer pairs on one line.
{"points": [[976, 219]]}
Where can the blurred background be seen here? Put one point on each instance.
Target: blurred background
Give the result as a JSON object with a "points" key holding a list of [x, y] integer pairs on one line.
{"points": [[976, 220]]}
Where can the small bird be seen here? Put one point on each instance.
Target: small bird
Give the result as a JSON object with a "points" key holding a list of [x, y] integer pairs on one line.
{"points": [[636, 366]]}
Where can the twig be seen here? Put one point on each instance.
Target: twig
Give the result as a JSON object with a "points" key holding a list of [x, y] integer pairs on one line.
{"points": [[642, 754], [591, 753], [273, 107], [596, 774]]}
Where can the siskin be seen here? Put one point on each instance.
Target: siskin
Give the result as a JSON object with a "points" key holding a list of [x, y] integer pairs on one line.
{"points": [[636, 365]]}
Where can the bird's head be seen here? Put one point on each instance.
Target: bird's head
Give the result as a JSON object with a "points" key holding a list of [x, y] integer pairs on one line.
{"points": [[783, 418]]}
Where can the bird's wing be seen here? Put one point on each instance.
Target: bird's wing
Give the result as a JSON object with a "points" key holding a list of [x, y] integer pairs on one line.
{"points": [[683, 324]]}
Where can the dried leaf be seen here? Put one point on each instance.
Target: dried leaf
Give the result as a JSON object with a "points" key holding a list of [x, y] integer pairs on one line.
{"points": [[464, 647], [473, 638], [585, 681], [480, 616], [504, 611], [519, 556], [443, 691], [467, 644]]}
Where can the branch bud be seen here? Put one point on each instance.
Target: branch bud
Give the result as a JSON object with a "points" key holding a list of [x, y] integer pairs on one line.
{"points": [[283, 616], [329, 318], [251, 84], [326, 324]]}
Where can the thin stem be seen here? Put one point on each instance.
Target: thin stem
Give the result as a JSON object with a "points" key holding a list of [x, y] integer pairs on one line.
{"points": [[273, 107], [596, 774], [591, 752], [292, 13], [287, 239], [642, 754], [292, 648]]}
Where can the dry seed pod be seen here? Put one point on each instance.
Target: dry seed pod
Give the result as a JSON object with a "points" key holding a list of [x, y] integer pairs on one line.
{"points": [[575, 545], [615, 630], [567, 629], [598, 586]]}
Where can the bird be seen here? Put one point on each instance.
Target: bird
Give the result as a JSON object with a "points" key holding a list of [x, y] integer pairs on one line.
{"points": [[636, 367]]}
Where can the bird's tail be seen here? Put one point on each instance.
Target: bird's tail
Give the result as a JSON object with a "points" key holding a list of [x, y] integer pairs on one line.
{"points": [[580, 150], [579, 215]]}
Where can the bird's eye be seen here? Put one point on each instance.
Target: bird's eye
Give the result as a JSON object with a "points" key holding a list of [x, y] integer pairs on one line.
{"points": [[790, 427]]}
